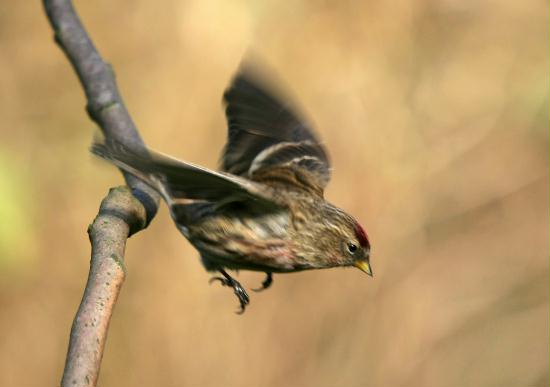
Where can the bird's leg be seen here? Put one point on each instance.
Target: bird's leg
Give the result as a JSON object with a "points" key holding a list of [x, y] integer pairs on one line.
{"points": [[241, 294], [266, 283]]}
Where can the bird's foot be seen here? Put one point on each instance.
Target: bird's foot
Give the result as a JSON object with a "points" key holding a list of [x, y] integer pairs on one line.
{"points": [[266, 283], [241, 294]]}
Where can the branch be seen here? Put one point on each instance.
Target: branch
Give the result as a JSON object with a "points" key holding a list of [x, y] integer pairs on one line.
{"points": [[108, 234], [120, 214], [104, 104]]}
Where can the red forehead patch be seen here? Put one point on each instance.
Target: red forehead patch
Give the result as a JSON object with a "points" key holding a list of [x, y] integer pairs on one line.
{"points": [[361, 235]]}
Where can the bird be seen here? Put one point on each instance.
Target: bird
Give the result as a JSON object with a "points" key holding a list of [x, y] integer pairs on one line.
{"points": [[264, 209]]}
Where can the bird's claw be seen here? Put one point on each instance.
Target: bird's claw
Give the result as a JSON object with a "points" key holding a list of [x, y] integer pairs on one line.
{"points": [[266, 283], [239, 291], [242, 296], [221, 279]]}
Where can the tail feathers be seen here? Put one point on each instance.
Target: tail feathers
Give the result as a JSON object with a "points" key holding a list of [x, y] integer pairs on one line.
{"points": [[139, 165], [175, 179]]}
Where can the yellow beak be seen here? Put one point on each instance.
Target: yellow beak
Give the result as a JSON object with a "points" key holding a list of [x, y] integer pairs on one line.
{"points": [[363, 266]]}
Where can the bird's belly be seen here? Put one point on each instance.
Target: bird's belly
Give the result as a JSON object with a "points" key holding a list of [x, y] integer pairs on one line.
{"points": [[258, 242]]}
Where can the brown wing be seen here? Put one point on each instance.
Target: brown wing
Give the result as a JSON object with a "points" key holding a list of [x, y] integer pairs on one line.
{"points": [[268, 141], [177, 179]]}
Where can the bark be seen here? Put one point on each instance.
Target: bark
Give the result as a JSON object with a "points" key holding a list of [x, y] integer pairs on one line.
{"points": [[125, 210], [108, 234]]}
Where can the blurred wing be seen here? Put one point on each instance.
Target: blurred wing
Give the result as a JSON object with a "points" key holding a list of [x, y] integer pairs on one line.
{"points": [[266, 138], [175, 179]]}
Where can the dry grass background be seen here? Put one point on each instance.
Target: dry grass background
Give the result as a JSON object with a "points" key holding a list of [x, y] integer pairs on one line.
{"points": [[435, 113]]}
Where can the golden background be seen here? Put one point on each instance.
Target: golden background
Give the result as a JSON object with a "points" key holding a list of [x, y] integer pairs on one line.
{"points": [[435, 114]]}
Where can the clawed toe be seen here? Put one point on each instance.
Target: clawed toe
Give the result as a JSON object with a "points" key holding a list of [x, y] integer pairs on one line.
{"points": [[223, 281], [266, 283], [242, 296], [239, 291]]}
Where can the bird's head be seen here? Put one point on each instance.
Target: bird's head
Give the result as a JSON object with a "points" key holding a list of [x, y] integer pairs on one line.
{"points": [[343, 242]]}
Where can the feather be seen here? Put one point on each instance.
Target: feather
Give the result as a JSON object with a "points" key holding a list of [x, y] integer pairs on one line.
{"points": [[265, 133], [175, 179]]}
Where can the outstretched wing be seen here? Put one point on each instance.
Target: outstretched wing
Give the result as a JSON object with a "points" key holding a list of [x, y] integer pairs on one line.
{"points": [[175, 179], [267, 141]]}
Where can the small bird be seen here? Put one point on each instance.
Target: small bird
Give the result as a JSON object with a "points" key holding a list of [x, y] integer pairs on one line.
{"points": [[264, 210]]}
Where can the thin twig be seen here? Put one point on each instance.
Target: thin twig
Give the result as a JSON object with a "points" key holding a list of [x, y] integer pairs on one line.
{"points": [[120, 214]]}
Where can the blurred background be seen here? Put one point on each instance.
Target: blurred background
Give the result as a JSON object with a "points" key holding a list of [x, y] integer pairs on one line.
{"points": [[436, 117]]}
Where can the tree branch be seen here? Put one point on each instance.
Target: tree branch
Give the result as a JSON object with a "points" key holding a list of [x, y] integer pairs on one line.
{"points": [[104, 104], [108, 234], [120, 214]]}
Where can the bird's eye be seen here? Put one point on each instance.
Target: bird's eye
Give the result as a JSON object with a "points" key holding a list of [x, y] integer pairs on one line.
{"points": [[352, 248]]}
